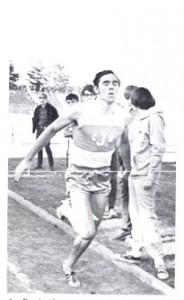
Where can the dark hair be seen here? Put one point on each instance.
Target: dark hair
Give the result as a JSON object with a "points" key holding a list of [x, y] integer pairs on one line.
{"points": [[142, 98], [42, 95], [101, 74], [128, 91], [72, 96], [89, 88]]}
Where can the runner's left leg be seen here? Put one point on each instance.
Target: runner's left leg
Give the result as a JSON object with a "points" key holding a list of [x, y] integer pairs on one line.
{"points": [[83, 209]]}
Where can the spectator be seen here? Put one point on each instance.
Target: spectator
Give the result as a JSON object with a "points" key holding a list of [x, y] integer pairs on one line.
{"points": [[88, 93], [126, 228], [68, 131], [44, 115], [128, 96], [113, 194], [147, 146]]}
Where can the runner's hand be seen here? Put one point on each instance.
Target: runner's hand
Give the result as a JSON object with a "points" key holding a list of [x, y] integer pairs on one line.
{"points": [[24, 164]]}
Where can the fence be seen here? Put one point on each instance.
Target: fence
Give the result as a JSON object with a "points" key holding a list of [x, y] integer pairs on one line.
{"points": [[21, 109]]}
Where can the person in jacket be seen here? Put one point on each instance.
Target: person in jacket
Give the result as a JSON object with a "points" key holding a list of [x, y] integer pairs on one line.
{"points": [[147, 146], [99, 126], [44, 115]]}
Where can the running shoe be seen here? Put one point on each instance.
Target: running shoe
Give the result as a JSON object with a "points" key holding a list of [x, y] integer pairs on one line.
{"points": [[129, 258], [72, 280], [112, 213], [161, 272], [61, 211], [123, 235]]}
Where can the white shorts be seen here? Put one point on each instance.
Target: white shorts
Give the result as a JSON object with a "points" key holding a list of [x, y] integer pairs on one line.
{"points": [[88, 180]]}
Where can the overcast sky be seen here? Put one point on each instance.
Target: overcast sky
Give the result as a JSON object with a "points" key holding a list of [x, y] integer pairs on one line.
{"points": [[138, 39]]}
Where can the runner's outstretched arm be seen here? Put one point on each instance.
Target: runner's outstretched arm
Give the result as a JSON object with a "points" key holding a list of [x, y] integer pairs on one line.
{"points": [[44, 139]]}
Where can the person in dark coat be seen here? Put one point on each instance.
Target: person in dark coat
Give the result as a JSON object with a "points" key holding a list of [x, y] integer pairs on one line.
{"points": [[44, 115]]}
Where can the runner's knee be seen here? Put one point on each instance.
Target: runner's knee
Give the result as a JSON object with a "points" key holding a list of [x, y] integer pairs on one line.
{"points": [[88, 234]]}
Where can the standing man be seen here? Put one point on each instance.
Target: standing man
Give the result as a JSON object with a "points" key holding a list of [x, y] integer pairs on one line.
{"points": [[68, 132], [114, 185], [99, 126], [44, 115], [125, 231]]}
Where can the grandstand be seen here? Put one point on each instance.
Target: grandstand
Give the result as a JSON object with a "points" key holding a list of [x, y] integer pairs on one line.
{"points": [[21, 102]]}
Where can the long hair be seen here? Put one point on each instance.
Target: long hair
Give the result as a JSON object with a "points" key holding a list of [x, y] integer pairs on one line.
{"points": [[142, 98]]}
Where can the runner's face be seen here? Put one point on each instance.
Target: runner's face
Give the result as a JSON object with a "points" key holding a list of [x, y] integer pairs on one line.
{"points": [[108, 88]]}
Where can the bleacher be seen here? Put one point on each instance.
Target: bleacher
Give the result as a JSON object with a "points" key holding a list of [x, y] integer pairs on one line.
{"points": [[20, 102], [20, 97]]}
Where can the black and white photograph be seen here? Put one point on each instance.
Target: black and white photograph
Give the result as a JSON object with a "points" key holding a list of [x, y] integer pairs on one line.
{"points": [[91, 129]]}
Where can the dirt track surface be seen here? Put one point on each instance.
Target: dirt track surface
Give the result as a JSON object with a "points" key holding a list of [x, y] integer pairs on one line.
{"points": [[45, 190], [36, 251]]}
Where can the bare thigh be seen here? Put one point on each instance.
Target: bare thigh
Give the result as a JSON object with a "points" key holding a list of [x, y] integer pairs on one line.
{"points": [[98, 204], [82, 214], [84, 208]]}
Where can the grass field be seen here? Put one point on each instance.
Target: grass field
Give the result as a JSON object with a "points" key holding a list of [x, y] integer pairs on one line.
{"points": [[48, 188]]}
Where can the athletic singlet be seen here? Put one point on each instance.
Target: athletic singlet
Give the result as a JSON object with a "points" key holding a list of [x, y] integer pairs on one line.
{"points": [[96, 135]]}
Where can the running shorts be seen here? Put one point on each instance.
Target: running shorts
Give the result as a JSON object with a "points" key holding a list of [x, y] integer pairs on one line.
{"points": [[88, 180]]}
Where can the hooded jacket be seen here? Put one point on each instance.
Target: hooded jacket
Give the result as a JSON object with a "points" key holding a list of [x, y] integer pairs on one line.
{"points": [[147, 143], [52, 115]]}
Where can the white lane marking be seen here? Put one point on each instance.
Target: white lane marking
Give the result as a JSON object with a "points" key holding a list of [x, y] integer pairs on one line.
{"points": [[22, 278]]}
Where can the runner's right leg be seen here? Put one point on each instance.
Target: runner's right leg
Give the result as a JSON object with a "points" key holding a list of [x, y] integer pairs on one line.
{"points": [[81, 218]]}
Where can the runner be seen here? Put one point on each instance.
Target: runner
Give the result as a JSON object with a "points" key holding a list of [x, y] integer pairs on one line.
{"points": [[100, 125]]}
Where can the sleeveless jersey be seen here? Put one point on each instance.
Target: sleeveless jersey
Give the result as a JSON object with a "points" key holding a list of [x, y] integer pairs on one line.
{"points": [[95, 136]]}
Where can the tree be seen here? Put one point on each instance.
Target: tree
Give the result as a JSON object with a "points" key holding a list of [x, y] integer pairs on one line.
{"points": [[54, 79], [38, 78], [13, 77], [59, 80]]}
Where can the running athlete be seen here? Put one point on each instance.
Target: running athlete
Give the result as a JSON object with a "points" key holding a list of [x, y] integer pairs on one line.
{"points": [[100, 125]]}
